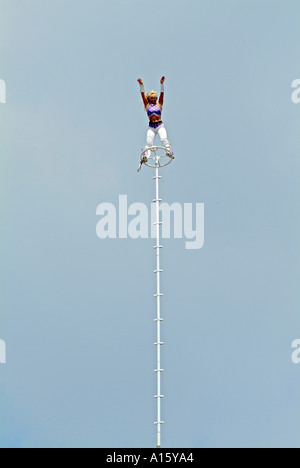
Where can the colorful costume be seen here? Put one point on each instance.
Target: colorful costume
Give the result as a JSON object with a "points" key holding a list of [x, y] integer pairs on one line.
{"points": [[157, 128]]}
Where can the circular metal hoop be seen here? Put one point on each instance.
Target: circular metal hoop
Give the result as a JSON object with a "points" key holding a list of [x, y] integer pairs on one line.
{"points": [[158, 158]]}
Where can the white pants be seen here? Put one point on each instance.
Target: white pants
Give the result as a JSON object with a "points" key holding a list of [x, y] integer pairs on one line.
{"points": [[151, 134]]}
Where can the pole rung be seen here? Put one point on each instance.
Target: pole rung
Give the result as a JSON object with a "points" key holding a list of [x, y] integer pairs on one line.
{"points": [[160, 343], [158, 295], [158, 320], [158, 271], [158, 247], [159, 370], [157, 199], [157, 177], [159, 396], [157, 223], [160, 422]]}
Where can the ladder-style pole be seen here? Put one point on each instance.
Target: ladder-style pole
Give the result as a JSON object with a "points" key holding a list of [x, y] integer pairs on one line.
{"points": [[158, 295], [159, 157]]}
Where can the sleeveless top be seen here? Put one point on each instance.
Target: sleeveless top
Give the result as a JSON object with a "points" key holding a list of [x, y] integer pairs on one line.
{"points": [[153, 109]]}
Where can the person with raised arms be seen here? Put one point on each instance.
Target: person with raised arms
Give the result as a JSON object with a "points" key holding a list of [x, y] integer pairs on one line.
{"points": [[156, 126]]}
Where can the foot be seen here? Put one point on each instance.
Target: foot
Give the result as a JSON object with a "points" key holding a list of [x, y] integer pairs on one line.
{"points": [[144, 159], [170, 153]]}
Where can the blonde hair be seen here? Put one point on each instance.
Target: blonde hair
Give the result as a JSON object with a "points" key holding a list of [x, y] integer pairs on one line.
{"points": [[151, 93]]}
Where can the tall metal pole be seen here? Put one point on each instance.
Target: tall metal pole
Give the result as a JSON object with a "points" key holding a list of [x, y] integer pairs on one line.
{"points": [[158, 319], [157, 161]]}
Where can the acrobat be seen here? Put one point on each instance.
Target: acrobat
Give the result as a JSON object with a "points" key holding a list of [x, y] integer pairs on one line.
{"points": [[156, 126]]}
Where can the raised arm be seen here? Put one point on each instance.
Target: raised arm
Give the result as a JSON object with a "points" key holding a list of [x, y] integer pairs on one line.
{"points": [[162, 92], [142, 89]]}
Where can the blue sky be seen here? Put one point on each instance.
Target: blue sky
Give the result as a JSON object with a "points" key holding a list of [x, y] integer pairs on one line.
{"points": [[76, 311]]}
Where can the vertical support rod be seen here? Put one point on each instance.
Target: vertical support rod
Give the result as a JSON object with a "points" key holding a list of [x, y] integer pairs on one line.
{"points": [[158, 312], [158, 315]]}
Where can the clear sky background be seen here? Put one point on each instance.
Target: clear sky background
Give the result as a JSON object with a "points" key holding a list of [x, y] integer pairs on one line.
{"points": [[76, 311]]}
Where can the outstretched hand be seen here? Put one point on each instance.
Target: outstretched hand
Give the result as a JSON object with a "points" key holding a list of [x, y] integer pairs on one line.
{"points": [[162, 80]]}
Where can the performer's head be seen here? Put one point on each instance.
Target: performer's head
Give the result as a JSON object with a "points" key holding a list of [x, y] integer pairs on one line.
{"points": [[152, 97]]}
